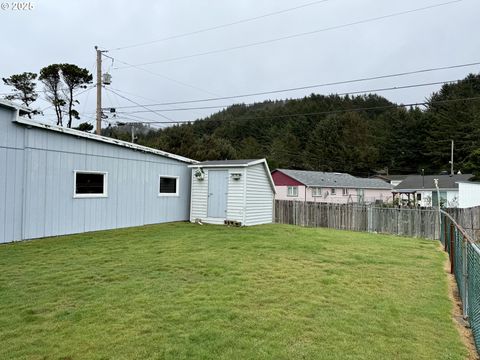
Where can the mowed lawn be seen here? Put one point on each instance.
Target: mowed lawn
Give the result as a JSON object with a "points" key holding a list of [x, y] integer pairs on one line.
{"points": [[185, 291]]}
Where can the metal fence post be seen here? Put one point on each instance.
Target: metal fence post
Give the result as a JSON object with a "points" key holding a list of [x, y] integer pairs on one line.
{"points": [[445, 233], [452, 249], [465, 278]]}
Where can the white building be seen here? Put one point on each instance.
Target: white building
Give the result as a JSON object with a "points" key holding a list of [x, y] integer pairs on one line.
{"points": [[468, 194], [241, 191], [421, 191], [57, 181]]}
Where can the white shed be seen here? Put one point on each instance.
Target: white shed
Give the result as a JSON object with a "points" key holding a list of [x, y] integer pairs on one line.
{"points": [[240, 191]]}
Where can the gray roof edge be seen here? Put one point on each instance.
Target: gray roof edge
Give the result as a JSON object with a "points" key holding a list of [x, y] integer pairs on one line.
{"points": [[424, 189], [11, 105], [229, 163], [104, 139], [248, 162], [291, 173]]}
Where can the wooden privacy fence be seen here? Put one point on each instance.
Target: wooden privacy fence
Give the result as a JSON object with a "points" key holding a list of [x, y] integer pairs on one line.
{"points": [[468, 219], [398, 221]]}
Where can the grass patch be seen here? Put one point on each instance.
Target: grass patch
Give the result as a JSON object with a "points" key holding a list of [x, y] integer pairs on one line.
{"points": [[183, 291]]}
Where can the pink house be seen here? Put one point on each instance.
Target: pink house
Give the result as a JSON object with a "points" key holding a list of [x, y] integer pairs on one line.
{"points": [[326, 187]]}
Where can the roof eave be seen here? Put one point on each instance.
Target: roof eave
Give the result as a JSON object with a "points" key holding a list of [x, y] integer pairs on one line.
{"points": [[251, 163], [11, 105], [104, 139]]}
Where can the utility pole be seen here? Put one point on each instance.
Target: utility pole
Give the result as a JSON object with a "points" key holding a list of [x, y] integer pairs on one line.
{"points": [[451, 160], [99, 91]]}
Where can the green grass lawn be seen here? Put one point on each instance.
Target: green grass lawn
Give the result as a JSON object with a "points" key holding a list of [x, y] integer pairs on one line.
{"points": [[184, 291]]}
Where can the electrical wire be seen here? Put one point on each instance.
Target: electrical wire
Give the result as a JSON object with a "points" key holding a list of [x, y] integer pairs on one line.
{"points": [[168, 78], [385, 107], [242, 21], [337, 94], [134, 102], [297, 35], [357, 80], [76, 94]]}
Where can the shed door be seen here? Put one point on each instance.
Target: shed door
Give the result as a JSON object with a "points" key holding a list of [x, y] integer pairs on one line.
{"points": [[217, 193]]}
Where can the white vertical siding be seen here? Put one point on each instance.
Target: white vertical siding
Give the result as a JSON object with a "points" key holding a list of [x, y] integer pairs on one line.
{"points": [[236, 195], [198, 207], [11, 176], [250, 198], [468, 195], [259, 196], [235, 199]]}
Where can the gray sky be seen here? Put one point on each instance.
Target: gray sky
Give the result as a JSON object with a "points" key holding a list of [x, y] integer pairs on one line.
{"points": [[66, 31]]}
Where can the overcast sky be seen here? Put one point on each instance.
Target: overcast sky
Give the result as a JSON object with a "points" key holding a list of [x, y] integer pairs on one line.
{"points": [[66, 31]]}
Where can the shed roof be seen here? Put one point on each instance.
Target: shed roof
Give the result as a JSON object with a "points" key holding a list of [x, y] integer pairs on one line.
{"points": [[236, 164], [418, 182], [334, 179], [230, 163], [104, 139]]}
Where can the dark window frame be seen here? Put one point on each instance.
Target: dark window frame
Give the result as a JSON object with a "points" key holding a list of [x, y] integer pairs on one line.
{"points": [[79, 195]]}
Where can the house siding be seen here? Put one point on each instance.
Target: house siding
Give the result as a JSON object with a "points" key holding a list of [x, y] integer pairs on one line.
{"points": [[37, 184], [11, 176], [198, 207], [259, 196], [468, 195], [236, 195], [452, 197], [235, 198], [306, 194]]}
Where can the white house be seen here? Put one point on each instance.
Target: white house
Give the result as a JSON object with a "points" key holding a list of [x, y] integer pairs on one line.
{"points": [[240, 191], [420, 190], [468, 194]]}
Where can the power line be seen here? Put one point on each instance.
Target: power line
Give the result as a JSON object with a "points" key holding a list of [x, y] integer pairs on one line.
{"points": [[377, 77], [79, 93], [338, 94], [242, 21], [385, 107], [167, 78], [134, 102], [263, 42]]}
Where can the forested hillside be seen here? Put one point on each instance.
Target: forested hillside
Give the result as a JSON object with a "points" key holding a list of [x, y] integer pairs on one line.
{"points": [[356, 134]]}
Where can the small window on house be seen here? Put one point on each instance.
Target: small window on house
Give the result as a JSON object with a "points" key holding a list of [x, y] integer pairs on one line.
{"points": [[419, 197], [316, 191], [292, 191], [90, 184], [168, 186], [332, 191], [345, 192]]}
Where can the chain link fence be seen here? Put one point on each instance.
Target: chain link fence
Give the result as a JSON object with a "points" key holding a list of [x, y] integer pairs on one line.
{"points": [[464, 257]]}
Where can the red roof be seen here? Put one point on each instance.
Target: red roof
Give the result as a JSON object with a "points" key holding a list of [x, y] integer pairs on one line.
{"points": [[280, 179]]}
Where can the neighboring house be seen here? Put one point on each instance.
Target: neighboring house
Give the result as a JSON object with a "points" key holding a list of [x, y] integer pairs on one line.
{"points": [[329, 187], [56, 181], [468, 194], [420, 190], [241, 191], [394, 180]]}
